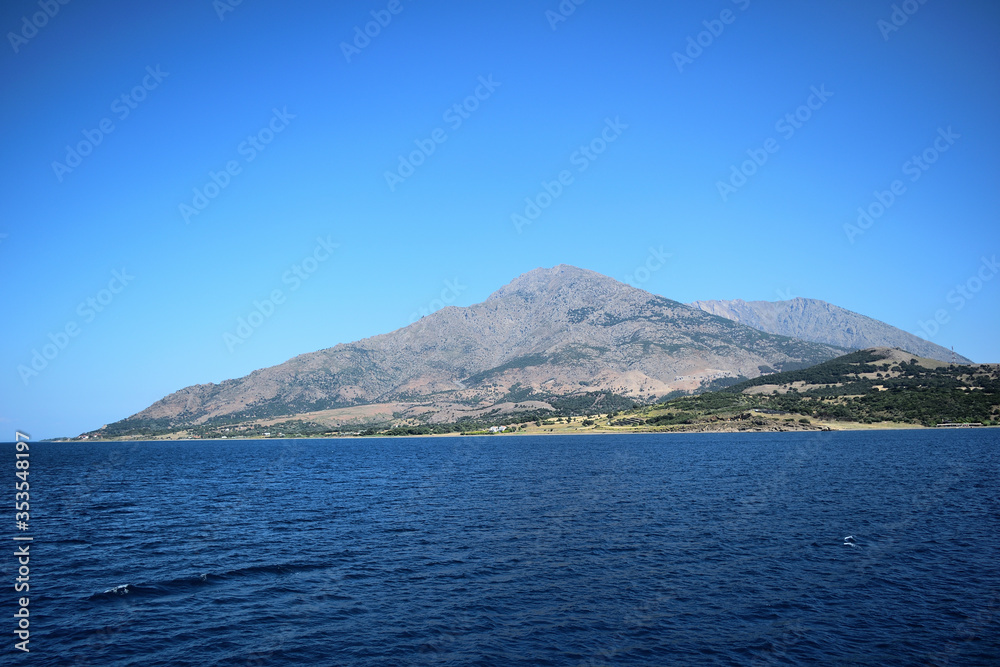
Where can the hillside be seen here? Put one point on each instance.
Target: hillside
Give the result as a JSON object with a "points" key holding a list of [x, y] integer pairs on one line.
{"points": [[821, 322], [879, 385], [548, 337]]}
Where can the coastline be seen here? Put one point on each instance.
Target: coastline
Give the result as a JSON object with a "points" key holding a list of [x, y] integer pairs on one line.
{"points": [[563, 429]]}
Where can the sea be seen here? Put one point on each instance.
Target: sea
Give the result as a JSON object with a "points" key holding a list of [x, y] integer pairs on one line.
{"points": [[833, 548]]}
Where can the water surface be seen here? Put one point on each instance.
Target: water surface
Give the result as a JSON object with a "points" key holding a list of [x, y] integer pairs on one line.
{"points": [[621, 550]]}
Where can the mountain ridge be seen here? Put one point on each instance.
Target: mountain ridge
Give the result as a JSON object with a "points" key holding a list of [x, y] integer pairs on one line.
{"points": [[821, 322]]}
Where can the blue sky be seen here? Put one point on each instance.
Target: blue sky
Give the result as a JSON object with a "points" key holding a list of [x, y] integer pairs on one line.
{"points": [[174, 163]]}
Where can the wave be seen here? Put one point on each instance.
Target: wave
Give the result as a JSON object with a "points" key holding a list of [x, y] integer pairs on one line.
{"points": [[182, 584]]}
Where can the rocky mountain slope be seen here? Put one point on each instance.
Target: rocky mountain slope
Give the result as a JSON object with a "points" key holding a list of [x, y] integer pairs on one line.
{"points": [[551, 332], [821, 322]]}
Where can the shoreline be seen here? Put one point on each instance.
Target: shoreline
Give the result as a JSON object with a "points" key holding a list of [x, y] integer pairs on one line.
{"points": [[823, 427]]}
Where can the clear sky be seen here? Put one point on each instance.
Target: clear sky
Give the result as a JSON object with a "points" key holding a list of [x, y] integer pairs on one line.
{"points": [[167, 165]]}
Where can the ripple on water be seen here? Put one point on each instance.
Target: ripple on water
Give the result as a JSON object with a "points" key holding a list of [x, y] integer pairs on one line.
{"points": [[699, 549]]}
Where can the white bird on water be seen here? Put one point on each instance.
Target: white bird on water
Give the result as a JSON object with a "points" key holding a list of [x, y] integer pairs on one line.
{"points": [[848, 541]]}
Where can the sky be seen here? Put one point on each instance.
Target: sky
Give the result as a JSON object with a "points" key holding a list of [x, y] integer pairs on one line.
{"points": [[197, 189]]}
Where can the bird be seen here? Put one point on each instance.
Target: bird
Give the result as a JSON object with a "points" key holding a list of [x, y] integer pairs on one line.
{"points": [[848, 541]]}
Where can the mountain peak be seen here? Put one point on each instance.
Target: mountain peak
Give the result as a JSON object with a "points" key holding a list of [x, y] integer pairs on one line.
{"points": [[821, 322], [561, 277]]}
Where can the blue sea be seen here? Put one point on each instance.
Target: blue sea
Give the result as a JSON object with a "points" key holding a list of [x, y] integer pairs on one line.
{"points": [[671, 549]]}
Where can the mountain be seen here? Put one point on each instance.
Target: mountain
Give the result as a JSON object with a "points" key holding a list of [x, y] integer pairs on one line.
{"points": [[550, 335], [821, 322]]}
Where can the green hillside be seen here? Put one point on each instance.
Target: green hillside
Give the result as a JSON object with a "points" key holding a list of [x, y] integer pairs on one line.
{"points": [[869, 386]]}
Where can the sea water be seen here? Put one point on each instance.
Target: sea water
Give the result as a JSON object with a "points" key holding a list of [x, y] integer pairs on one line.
{"points": [[504, 550]]}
